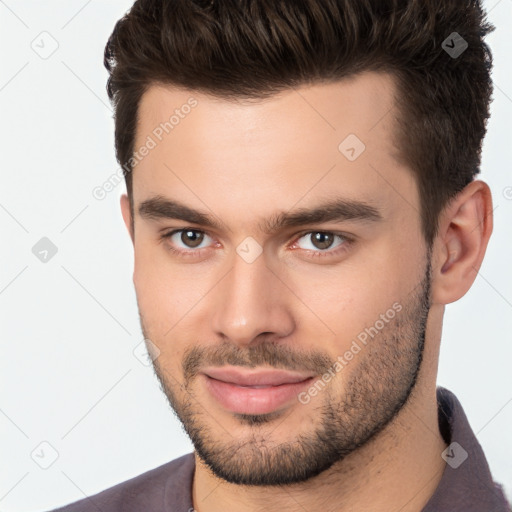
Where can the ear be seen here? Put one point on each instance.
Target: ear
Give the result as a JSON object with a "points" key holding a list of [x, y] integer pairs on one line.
{"points": [[465, 226], [127, 215]]}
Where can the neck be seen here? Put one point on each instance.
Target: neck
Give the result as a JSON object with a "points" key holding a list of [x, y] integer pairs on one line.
{"points": [[397, 470]]}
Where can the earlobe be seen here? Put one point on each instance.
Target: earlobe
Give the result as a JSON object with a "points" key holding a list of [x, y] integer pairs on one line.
{"points": [[127, 214], [465, 226]]}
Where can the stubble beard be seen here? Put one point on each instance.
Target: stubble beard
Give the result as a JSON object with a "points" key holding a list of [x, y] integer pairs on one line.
{"points": [[370, 398]]}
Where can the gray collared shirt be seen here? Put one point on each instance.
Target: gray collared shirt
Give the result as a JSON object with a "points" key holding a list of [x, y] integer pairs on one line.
{"points": [[466, 484]]}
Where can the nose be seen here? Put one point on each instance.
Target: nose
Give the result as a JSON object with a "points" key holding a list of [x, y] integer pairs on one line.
{"points": [[250, 301]]}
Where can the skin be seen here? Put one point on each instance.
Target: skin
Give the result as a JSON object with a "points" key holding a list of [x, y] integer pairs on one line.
{"points": [[241, 163]]}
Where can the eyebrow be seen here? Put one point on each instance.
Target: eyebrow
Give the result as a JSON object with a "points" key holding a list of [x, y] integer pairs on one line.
{"points": [[159, 207]]}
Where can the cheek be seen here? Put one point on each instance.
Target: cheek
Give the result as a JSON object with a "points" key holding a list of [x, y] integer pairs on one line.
{"points": [[342, 311], [155, 285], [165, 300], [166, 292], [342, 301]]}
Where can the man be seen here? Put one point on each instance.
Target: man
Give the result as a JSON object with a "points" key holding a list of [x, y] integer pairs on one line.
{"points": [[302, 201]]}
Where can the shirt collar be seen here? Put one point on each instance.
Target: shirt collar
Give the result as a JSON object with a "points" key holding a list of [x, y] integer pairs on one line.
{"points": [[466, 484]]}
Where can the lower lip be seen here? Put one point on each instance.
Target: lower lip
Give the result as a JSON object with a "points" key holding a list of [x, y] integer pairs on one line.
{"points": [[246, 400]]}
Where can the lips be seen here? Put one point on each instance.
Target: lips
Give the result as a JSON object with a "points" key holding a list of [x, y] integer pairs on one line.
{"points": [[254, 392], [256, 378]]}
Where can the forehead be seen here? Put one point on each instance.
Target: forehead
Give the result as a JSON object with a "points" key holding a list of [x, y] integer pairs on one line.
{"points": [[358, 103], [324, 140]]}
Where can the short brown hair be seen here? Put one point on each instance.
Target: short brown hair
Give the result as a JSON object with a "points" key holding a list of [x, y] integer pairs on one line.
{"points": [[256, 48]]}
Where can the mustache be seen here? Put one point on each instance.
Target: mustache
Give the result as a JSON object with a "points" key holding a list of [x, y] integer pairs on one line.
{"points": [[263, 354]]}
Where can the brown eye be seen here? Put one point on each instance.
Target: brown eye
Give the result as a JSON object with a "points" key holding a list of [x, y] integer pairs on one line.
{"points": [[322, 240], [191, 238], [188, 242]]}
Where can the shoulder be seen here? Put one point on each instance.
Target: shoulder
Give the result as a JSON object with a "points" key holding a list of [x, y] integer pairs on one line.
{"points": [[150, 490]]}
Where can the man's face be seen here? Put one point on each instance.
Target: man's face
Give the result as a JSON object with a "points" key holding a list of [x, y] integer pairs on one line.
{"points": [[337, 303]]}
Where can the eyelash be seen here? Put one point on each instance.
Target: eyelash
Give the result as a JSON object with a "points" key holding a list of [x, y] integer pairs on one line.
{"points": [[347, 241]]}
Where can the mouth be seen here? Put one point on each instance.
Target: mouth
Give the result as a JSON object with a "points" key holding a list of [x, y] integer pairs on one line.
{"points": [[254, 392]]}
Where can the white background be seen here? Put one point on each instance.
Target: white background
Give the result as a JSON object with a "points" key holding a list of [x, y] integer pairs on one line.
{"points": [[69, 326]]}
